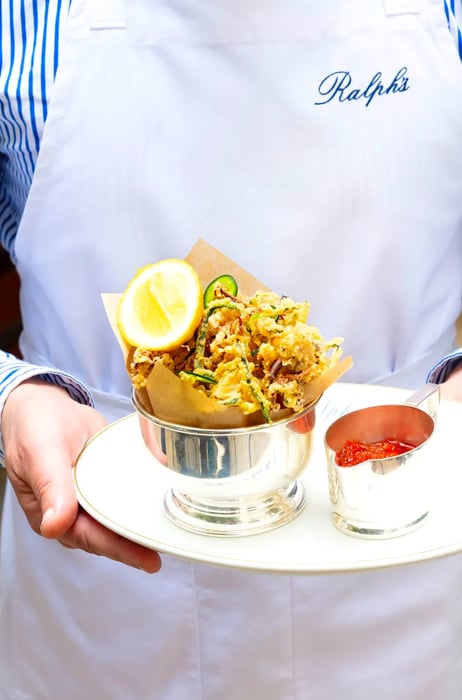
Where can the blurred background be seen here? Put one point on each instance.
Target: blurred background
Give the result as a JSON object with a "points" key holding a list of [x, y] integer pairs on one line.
{"points": [[10, 319]]}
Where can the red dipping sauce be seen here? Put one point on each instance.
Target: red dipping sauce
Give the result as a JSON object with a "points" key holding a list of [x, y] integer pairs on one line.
{"points": [[353, 452]]}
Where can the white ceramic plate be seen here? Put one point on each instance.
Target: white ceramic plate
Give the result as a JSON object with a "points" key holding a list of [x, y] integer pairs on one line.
{"points": [[119, 483]]}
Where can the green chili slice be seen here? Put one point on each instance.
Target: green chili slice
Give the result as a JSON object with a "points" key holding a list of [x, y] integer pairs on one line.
{"points": [[226, 281]]}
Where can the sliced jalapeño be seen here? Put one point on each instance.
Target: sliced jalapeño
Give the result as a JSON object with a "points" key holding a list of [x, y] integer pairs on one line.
{"points": [[227, 282]]}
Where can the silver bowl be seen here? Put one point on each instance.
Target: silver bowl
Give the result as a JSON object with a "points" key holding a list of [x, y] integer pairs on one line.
{"points": [[232, 482]]}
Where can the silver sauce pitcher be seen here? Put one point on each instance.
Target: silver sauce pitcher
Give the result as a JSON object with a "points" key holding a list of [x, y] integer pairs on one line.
{"points": [[383, 498]]}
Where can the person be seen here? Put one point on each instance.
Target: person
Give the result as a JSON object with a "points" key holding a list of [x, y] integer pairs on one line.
{"points": [[318, 145]]}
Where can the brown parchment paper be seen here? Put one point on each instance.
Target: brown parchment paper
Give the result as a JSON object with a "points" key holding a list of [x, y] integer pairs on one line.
{"points": [[170, 399]]}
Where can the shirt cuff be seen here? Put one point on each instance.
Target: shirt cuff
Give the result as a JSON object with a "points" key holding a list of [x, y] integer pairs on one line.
{"points": [[444, 367], [13, 372]]}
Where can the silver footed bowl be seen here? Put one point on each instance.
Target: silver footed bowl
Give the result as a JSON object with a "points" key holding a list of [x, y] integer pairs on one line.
{"points": [[231, 482]]}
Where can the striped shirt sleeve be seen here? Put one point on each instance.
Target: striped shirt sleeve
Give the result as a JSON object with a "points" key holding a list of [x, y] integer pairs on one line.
{"points": [[30, 31], [444, 367], [453, 9]]}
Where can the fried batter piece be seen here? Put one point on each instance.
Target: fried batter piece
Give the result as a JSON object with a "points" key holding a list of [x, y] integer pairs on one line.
{"points": [[257, 353]]}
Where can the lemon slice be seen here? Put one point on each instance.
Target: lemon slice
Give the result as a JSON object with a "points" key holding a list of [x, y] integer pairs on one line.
{"points": [[161, 306]]}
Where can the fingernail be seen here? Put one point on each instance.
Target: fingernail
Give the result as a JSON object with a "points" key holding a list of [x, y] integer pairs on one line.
{"points": [[47, 516]]}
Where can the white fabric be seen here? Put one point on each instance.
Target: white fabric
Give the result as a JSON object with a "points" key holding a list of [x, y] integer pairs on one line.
{"points": [[402, 7], [220, 120]]}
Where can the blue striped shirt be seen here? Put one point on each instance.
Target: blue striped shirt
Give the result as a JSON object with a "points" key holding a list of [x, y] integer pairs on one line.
{"points": [[30, 32]]}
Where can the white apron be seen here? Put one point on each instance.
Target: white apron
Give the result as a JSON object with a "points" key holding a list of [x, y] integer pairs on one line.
{"points": [[319, 145]]}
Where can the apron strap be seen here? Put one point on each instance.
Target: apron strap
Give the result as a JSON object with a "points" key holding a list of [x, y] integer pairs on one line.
{"points": [[402, 7], [107, 14]]}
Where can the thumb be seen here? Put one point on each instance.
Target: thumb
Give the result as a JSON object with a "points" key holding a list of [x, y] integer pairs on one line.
{"points": [[54, 525], [58, 502], [43, 431]]}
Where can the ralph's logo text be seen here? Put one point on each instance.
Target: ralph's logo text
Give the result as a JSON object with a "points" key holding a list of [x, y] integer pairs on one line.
{"points": [[339, 87]]}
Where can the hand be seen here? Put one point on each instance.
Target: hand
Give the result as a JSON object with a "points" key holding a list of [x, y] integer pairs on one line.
{"points": [[43, 432], [452, 387]]}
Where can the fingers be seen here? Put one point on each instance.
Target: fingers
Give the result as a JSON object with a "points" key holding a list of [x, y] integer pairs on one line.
{"points": [[91, 537], [43, 432], [38, 460], [42, 480]]}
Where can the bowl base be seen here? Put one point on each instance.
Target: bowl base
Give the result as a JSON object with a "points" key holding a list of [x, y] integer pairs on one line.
{"points": [[235, 517], [369, 532]]}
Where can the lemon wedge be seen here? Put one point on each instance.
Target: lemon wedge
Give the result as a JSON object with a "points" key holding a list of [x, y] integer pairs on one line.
{"points": [[161, 306]]}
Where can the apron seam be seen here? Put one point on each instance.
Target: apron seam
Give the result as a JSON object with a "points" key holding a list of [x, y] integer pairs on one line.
{"points": [[199, 664], [292, 654]]}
